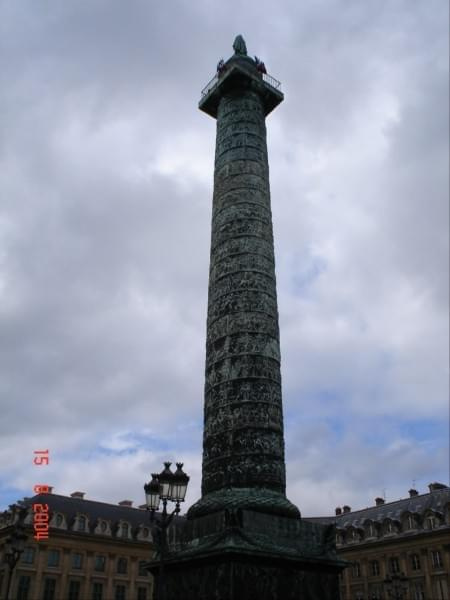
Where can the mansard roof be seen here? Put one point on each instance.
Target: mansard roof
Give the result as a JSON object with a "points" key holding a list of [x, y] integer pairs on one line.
{"points": [[436, 500], [94, 510]]}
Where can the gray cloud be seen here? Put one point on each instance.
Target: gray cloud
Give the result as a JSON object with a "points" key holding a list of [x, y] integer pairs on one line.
{"points": [[106, 180]]}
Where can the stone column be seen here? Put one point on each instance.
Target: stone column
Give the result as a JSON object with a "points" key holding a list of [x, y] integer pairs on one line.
{"points": [[243, 437], [243, 444]]}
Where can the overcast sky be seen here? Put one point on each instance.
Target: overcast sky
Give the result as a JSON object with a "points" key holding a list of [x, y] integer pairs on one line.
{"points": [[106, 174]]}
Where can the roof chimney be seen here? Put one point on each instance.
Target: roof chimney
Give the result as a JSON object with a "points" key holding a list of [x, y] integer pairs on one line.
{"points": [[436, 486], [346, 508], [79, 495], [338, 510], [413, 492], [126, 503], [379, 501]]}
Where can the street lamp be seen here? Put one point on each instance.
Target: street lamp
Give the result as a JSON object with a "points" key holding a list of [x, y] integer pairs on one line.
{"points": [[15, 543], [166, 486]]}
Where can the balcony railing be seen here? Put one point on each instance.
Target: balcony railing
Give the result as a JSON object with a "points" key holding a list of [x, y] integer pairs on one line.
{"points": [[210, 85], [215, 80], [272, 81]]}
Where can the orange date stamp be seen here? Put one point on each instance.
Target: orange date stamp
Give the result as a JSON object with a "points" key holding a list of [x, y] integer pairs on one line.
{"points": [[41, 511]]}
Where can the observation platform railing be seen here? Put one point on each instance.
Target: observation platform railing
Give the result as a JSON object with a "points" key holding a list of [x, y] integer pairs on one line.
{"points": [[209, 87]]}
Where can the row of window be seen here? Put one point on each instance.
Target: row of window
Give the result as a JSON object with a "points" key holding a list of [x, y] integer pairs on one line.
{"points": [[374, 530], [394, 564], [54, 556], [416, 591], [377, 593], [74, 590], [82, 524]]}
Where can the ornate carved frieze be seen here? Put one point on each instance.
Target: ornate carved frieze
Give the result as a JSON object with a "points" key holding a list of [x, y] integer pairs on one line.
{"points": [[243, 366], [241, 210], [237, 416], [244, 470], [242, 343], [245, 173], [235, 196], [244, 301], [242, 245], [243, 227], [240, 282], [241, 263], [241, 143], [242, 391]]}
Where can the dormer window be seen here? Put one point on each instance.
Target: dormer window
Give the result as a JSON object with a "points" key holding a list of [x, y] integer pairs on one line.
{"points": [[431, 522], [102, 527], [59, 520], [371, 530], [389, 527], [447, 514], [340, 539], [124, 530], [82, 523], [411, 522]]}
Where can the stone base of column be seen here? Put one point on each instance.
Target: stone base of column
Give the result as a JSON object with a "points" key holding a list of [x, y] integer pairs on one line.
{"points": [[248, 555], [259, 500]]}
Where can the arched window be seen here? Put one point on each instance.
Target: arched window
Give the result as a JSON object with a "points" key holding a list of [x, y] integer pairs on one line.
{"points": [[125, 530], [389, 527], [431, 521], [370, 529], [340, 536], [82, 523]]}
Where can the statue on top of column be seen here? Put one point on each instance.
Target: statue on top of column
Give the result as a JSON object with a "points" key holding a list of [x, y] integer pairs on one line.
{"points": [[239, 46]]}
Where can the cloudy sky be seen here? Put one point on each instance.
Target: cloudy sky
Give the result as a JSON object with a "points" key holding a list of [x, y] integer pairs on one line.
{"points": [[106, 173]]}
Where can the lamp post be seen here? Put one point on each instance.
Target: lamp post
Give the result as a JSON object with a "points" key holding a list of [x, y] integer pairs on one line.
{"points": [[396, 586], [15, 543], [166, 486]]}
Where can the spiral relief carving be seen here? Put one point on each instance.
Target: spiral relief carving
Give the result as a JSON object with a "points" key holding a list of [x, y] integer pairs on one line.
{"points": [[243, 434]]}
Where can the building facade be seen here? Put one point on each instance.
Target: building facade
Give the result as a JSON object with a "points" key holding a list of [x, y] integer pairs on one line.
{"points": [[94, 551], [397, 550]]}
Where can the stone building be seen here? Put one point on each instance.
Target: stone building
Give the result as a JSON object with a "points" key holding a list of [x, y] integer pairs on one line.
{"points": [[94, 551], [398, 550]]}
